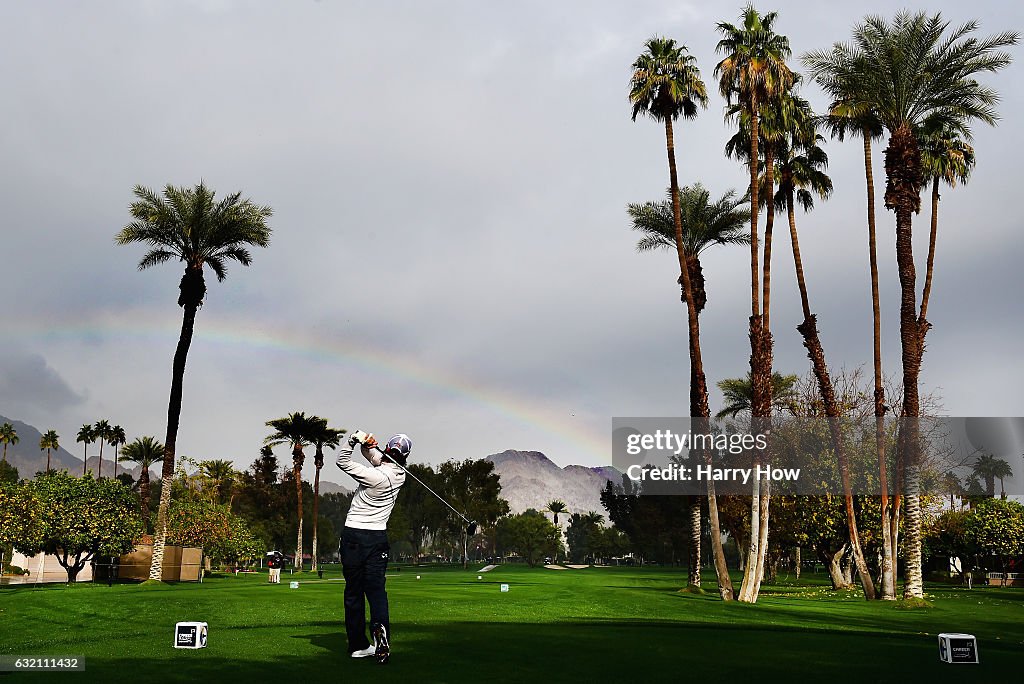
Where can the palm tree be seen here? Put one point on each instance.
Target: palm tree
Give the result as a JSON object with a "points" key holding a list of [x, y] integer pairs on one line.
{"points": [[911, 71], [8, 435], [988, 468], [145, 452], [221, 474], [320, 436], [850, 114], [704, 224], [738, 394], [102, 433], [665, 85], [802, 164], [593, 518], [188, 225], [945, 156], [294, 429], [49, 441], [754, 73], [554, 508], [115, 439], [86, 437]]}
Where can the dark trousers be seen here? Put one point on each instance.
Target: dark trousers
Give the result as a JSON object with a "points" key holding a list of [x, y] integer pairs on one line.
{"points": [[364, 559]]}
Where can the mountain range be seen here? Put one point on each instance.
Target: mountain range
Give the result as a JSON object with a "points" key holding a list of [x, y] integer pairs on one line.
{"points": [[529, 479]]}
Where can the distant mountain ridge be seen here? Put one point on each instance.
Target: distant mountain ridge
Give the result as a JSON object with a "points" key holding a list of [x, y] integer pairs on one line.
{"points": [[28, 458], [529, 479]]}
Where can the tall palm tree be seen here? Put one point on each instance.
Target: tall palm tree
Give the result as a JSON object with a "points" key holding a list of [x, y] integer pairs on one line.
{"points": [[116, 439], [187, 224], [665, 85], [802, 163], [49, 441], [144, 452], [850, 114], [754, 73], [86, 437], [8, 435], [945, 156], [320, 436], [294, 429], [705, 223], [910, 71], [102, 433]]}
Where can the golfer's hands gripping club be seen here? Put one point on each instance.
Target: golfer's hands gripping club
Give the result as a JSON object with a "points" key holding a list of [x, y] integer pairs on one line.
{"points": [[368, 446]]}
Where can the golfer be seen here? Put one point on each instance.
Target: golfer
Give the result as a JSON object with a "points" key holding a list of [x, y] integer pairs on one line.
{"points": [[364, 541]]}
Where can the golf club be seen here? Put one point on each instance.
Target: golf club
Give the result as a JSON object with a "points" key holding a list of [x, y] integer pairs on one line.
{"points": [[472, 525]]}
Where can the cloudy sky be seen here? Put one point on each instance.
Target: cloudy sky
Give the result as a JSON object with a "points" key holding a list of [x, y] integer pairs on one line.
{"points": [[451, 255]]}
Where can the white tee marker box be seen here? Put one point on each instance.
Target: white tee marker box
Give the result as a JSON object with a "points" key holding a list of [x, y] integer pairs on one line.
{"points": [[504, 588], [958, 648], [190, 635], [293, 585]]}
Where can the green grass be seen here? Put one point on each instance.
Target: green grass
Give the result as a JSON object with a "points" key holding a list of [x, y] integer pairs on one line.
{"points": [[593, 624]]}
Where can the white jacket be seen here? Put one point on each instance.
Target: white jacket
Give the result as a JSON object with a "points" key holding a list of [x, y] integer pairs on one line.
{"points": [[377, 492]]}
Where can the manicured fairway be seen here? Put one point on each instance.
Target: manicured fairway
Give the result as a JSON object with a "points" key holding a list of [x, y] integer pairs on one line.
{"points": [[592, 624]]}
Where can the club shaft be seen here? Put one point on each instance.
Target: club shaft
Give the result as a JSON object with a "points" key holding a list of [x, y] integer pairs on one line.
{"points": [[439, 497]]}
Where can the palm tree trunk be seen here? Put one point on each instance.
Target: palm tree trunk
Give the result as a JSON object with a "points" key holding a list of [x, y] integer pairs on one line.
{"points": [[888, 578], [47, 459], [699, 406], [144, 491], [766, 366], [188, 321], [922, 320], [115, 461], [903, 169], [316, 511], [99, 470], [298, 493], [812, 342], [85, 457], [695, 534]]}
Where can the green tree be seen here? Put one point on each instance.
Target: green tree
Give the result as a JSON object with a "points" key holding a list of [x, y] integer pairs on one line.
{"points": [[221, 475], [50, 440], [83, 518], [224, 537], [996, 526], [417, 516], [294, 429], [144, 452], [188, 225], [472, 487], [116, 439], [8, 435], [754, 73], [909, 71], [86, 437], [530, 534], [101, 431], [8, 473], [21, 518], [320, 436], [949, 535]]}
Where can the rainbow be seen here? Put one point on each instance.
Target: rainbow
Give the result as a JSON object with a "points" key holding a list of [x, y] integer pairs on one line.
{"points": [[240, 333]]}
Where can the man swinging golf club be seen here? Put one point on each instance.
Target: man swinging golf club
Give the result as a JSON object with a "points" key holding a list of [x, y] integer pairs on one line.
{"points": [[364, 541]]}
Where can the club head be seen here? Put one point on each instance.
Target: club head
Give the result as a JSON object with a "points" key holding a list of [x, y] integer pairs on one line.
{"points": [[471, 530]]}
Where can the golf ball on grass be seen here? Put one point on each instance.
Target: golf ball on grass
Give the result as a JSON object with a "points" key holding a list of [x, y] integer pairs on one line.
{"points": [[417, 576]]}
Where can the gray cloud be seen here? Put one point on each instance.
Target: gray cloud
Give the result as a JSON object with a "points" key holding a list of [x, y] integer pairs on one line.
{"points": [[449, 184]]}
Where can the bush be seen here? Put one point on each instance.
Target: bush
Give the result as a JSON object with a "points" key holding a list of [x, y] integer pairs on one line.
{"points": [[15, 570]]}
